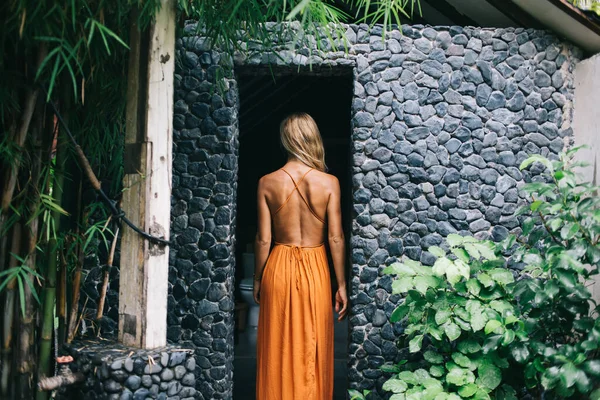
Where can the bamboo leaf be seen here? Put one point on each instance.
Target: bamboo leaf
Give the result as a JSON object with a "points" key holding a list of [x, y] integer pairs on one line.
{"points": [[21, 293]]}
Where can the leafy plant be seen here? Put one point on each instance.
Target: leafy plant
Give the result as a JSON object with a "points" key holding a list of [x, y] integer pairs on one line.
{"points": [[459, 316], [559, 250], [483, 334]]}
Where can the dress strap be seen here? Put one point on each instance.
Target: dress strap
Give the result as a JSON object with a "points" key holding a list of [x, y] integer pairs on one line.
{"points": [[296, 189]]}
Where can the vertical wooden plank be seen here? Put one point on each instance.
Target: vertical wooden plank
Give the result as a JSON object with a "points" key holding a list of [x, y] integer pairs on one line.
{"points": [[147, 199], [159, 130]]}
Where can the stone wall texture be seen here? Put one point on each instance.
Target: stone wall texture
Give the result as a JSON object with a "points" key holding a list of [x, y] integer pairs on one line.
{"points": [[442, 118], [115, 372]]}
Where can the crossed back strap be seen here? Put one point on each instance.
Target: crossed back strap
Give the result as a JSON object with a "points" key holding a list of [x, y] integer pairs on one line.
{"points": [[296, 189]]}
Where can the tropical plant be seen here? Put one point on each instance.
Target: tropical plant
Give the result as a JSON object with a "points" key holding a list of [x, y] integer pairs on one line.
{"points": [[560, 253], [480, 333], [458, 312]]}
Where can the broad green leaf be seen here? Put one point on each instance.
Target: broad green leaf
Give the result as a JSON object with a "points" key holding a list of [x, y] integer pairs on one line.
{"points": [[437, 251], [399, 313], [390, 368], [474, 286], [442, 316], [433, 357], [592, 367], [534, 207], [456, 376], [472, 251], [398, 396], [463, 269], [395, 386], [402, 285], [491, 343], [422, 283], [452, 331], [528, 225], [486, 250], [478, 319], [555, 224], [355, 394], [481, 395], [454, 240], [468, 390], [415, 344], [463, 361], [551, 289], [485, 280], [502, 276], [569, 374], [463, 325], [401, 269], [569, 230], [468, 346], [432, 391], [566, 278], [501, 306], [595, 395], [509, 337], [490, 376], [437, 371], [441, 265], [492, 326], [462, 254], [408, 377], [421, 374]]}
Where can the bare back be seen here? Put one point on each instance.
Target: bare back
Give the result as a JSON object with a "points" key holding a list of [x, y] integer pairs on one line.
{"points": [[298, 198]]}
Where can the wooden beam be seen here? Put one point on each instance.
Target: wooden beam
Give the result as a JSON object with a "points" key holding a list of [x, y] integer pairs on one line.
{"points": [[450, 12], [577, 14], [515, 13], [147, 181]]}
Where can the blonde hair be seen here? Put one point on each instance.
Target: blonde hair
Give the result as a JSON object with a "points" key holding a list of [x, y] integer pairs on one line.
{"points": [[302, 140]]}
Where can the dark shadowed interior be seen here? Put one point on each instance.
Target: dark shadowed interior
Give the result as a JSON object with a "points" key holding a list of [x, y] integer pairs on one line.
{"points": [[266, 97]]}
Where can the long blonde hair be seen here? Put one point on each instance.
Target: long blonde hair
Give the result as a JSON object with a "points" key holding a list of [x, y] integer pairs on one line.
{"points": [[302, 140]]}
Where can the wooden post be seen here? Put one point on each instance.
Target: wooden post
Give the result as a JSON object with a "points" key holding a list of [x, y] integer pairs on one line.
{"points": [[147, 182]]}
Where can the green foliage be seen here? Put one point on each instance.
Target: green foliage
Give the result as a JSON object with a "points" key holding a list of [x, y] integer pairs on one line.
{"points": [[479, 333], [560, 254], [356, 395], [458, 317]]}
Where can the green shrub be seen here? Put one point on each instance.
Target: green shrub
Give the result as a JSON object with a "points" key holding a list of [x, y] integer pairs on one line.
{"points": [[481, 330]]}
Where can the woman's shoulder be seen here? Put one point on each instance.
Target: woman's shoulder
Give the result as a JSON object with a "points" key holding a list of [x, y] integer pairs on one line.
{"points": [[327, 181]]}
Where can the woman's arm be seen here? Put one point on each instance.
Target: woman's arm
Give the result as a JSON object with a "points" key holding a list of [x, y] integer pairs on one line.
{"points": [[337, 246], [262, 244]]}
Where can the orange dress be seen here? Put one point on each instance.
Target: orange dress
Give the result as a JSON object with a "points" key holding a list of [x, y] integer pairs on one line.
{"points": [[295, 326]]}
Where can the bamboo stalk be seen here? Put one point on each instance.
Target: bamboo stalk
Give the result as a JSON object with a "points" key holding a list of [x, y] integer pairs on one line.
{"points": [[10, 179], [25, 360], [49, 293], [72, 327], [61, 301], [8, 316], [106, 275]]}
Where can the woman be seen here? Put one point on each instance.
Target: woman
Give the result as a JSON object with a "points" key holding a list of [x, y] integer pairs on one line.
{"points": [[298, 207]]}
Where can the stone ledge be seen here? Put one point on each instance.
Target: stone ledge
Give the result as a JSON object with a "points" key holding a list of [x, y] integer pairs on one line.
{"points": [[114, 371]]}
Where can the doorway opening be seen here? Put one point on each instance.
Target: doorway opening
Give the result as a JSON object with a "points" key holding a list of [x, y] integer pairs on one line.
{"points": [[267, 96]]}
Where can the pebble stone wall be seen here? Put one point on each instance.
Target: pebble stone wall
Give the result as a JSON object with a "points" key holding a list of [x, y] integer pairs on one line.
{"points": [[442, 117], [115, 372]]}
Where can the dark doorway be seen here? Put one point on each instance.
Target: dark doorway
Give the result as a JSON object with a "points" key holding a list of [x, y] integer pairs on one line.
{"points": [[266, 97]]}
